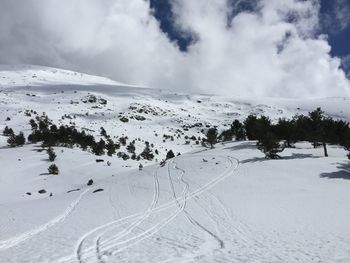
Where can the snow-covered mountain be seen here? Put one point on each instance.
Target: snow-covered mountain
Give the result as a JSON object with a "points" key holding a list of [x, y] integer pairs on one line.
{"points": [[227, 204], [29, 75]]}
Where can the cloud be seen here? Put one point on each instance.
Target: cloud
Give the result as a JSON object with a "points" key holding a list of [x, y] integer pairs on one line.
{"points": [[272, 49]]}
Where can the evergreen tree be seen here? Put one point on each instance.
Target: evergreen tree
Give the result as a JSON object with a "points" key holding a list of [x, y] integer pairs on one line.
{"points": [[110, 147], [320, 127], [262, 130], [212, 136], [52, 154], [98, 148], [131, 148], [170, 154], [269, 145], [20, 139], [346, 142], [286, 130], [8, 131], [226, 135], [147, 153], [53, 169], [33, 124], [302, 128], [250, 127], [122, 140], [238, 131], [16, 140], [12, 140], [103, 132]]}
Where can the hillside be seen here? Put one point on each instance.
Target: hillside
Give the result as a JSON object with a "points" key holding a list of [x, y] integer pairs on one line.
{"points": [[227, 204]]}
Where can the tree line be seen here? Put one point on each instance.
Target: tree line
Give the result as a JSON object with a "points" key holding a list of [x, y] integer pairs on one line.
{"points": [[48, 134], [273, 138]]}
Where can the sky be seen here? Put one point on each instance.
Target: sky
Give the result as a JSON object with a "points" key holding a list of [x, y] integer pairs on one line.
{"points": [[275, 48]]}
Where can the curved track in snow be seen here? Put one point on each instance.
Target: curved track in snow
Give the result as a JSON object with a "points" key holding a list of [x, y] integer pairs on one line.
{"points": [[14, 241], [119, 235]]}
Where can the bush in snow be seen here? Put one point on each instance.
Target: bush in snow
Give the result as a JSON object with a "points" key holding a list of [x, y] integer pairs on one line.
{"points": [[110, 147], [212, 136], [16, 140], [52, 154], [53, 169], [131, 148], [237, 129], [226, 135], [122, 140], [147, 153], [7, 131], [170, 154], [99, 147], [269, 145]]}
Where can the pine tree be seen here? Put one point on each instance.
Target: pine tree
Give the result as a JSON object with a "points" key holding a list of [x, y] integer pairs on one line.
{"points": [[170, 154], [33, 124], [103, 132], [286, 130], [147, 153], [319, 128], [122, 140], [226, 135], [12, 140], [212, 136], [346, 142], [98, 148], [238, 131], [110, 147], [16, 140], [250, 127], [53, 169], [131, 148], [269, 145], [7, 131], [52, 154]]}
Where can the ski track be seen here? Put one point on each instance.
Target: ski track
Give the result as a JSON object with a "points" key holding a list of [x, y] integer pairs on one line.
{"points": [[139, 219], [191, 218], [14, 241], [102, 247], [134, 225]]}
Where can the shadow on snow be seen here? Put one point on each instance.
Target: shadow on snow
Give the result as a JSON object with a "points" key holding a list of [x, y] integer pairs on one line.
{"points": [[342, 173]]}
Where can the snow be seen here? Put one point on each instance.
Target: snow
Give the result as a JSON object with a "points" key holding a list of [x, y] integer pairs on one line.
{"points": [[28, 75], [226, 204]]}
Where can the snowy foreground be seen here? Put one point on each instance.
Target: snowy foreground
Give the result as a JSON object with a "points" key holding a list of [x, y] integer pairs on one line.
{"points": [[226, 204]]}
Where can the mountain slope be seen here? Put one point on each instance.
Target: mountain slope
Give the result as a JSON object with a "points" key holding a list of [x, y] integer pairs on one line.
{"points": [[226, 204]]}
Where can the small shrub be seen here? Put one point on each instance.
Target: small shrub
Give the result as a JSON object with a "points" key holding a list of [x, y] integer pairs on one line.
{"points": [[53, 169], [170, 154], [7, 131], [52, 154], [16, 140]]}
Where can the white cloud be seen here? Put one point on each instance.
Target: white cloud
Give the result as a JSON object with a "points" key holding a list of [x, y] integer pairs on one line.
{"points": [[272, 52]]}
